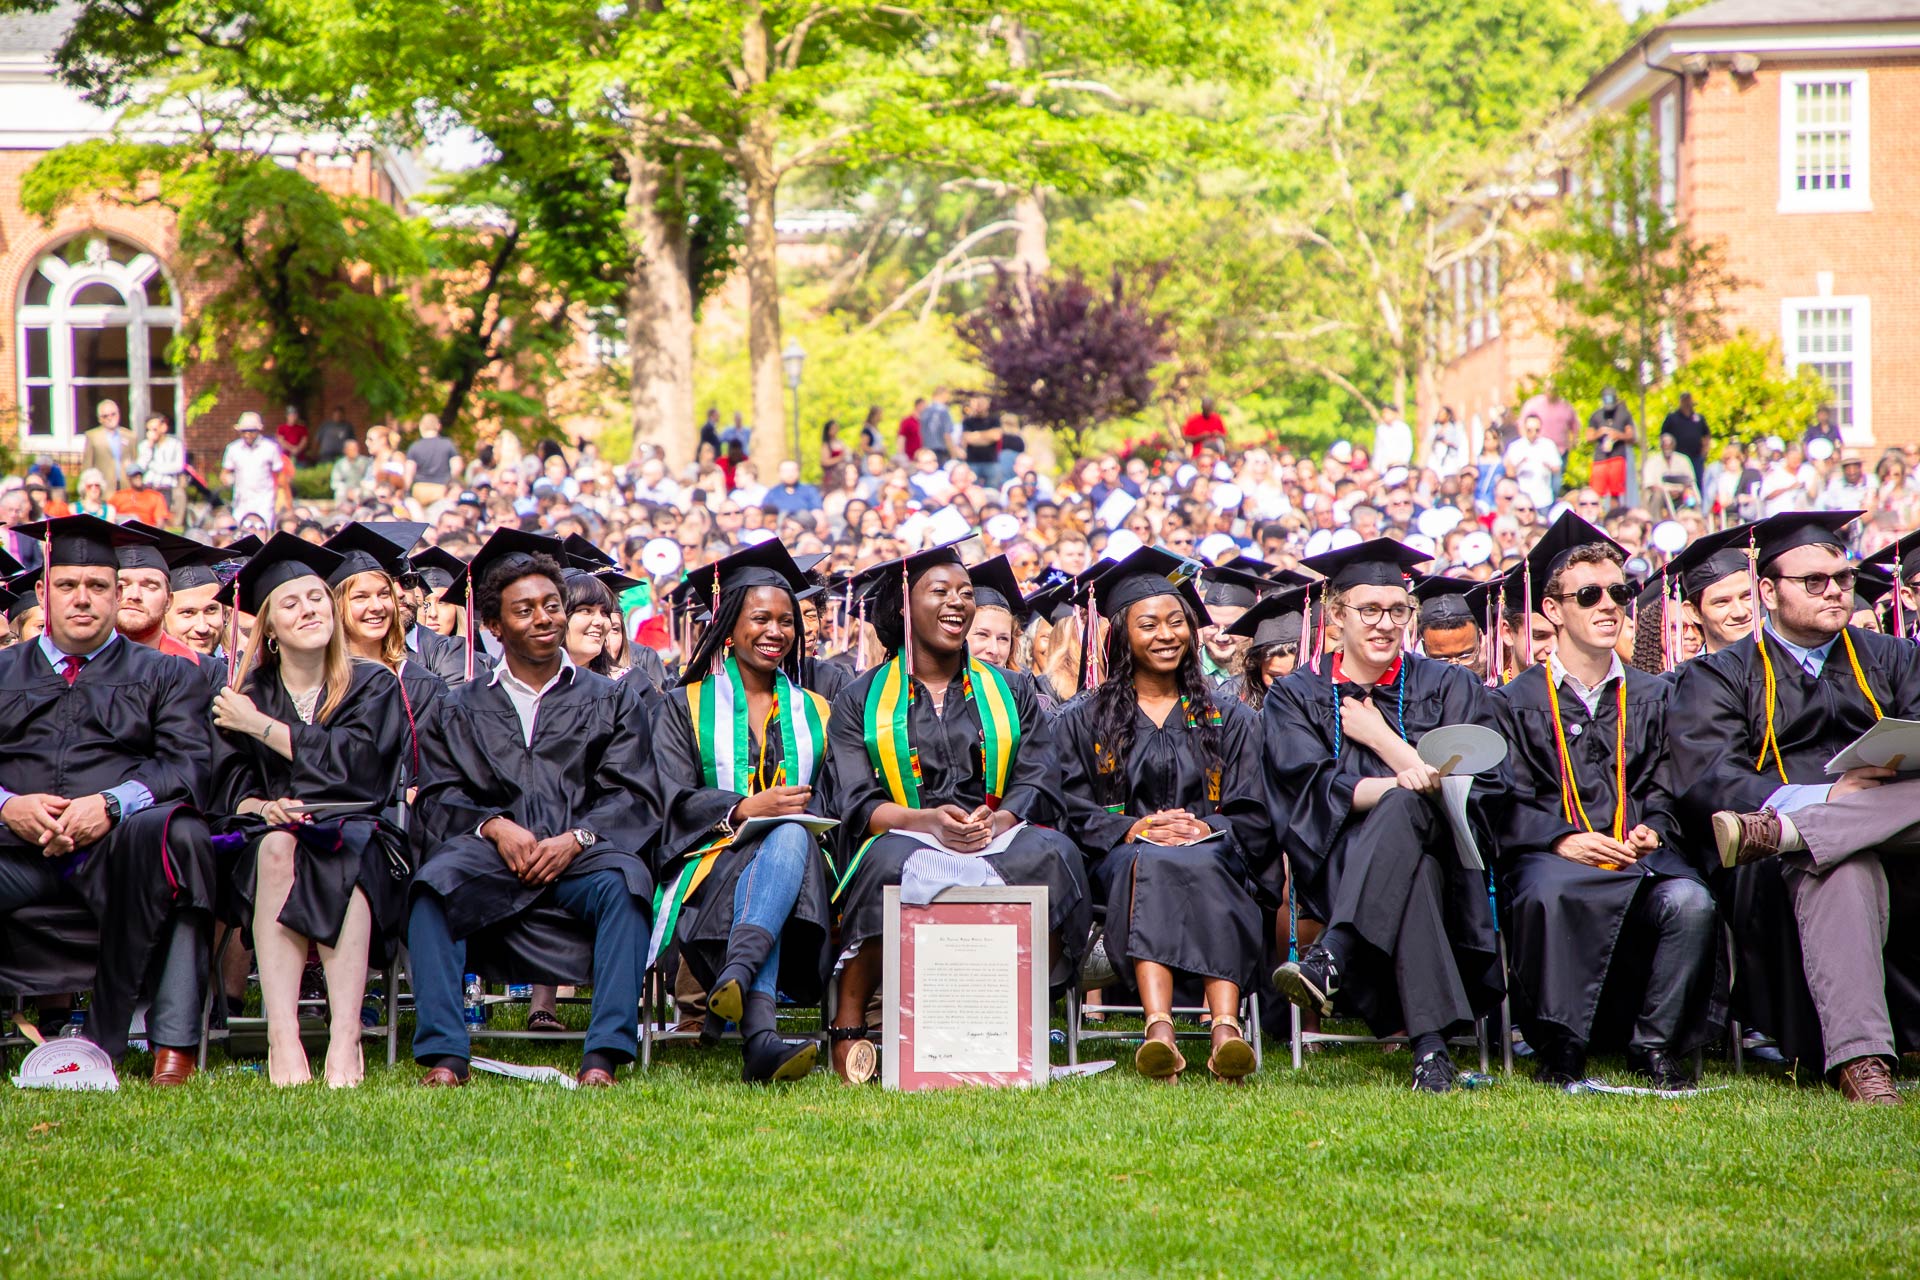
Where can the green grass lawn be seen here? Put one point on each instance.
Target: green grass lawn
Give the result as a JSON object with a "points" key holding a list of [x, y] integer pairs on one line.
{"points": [[682, 1171]]}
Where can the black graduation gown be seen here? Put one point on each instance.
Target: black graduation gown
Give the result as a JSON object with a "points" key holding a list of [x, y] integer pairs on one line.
{"points": [[825, 676], [445, 656], [952, 772], [1190, 908], [690, 811], [1715, 721], [585, 768], [133, 714], [1310, 798], [1564, 919], [358, 755]]}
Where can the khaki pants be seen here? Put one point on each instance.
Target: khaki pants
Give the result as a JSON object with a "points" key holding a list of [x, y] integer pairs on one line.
{"points": [[427, 494]]}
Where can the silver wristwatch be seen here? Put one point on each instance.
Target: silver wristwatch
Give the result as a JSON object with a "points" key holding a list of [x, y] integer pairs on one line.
{"points": [[586, 838]]}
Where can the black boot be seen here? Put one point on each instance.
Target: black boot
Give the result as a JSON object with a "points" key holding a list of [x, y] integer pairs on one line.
{"points": [[748, 947], [767, 1055]]}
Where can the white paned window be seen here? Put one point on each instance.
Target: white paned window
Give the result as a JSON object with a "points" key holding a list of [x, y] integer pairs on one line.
{"points": [[1824, 143], [1833, 337]]}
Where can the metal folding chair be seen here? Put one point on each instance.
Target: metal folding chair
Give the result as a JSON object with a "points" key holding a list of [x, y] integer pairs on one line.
{"points": [[1091, 979]]}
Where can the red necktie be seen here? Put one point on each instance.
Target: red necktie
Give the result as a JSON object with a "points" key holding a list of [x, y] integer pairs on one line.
{"points": [[70, 668]]}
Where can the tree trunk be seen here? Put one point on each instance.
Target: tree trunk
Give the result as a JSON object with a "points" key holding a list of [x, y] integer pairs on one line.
{"points": [[759, 257], [1030, 233], [659, 311]]}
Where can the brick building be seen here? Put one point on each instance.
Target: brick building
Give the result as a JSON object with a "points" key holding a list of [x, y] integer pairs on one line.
{"points": [[1789, 131], [89, 303]]}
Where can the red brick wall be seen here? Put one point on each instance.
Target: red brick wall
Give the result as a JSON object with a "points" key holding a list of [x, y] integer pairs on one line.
{"points": [[24, 238]]}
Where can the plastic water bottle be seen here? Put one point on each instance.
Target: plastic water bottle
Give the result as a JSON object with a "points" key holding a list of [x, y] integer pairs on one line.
{"points": [[476, 1010], [76, 1026]]}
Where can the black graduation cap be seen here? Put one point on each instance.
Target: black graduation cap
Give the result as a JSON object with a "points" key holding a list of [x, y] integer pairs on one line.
{"points": [[1777, 535], [9, 566], [995, 587], [1052, 598], [437, 568], [1566, 533], [765, 564], [1443, 601], [1905, 549], [583, 549], [1145, 573], [1276, 619], [1255, 568], [617, 582], [875, 579], [283, 559], [1377, 562], [1235, 587], [369, 548], [1870, 586], [163, 551], [808, 563], [84, 541], [503, 543], [20, 595], [1707, 560], [242, 547]]}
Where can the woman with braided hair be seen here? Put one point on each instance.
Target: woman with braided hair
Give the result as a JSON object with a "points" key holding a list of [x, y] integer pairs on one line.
{"points": [[1164, 797]]}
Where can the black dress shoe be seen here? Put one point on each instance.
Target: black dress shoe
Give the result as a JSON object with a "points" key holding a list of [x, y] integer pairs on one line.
{"points": [[1311, 982], [1659, 1067], [1434, 1073], [1559, 1065]]}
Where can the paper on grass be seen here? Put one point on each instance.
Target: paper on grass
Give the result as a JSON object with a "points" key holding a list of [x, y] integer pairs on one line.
{"points": [[1638, 1091], [1078, 1069], [515, 1071], [1889, 744]]}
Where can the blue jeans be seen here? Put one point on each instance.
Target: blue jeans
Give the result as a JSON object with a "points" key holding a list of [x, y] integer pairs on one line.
{"points": [[766, 891], [438, 963]]}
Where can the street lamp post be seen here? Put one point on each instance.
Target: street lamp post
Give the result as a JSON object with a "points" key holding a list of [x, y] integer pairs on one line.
{"points": [[795, 360]]}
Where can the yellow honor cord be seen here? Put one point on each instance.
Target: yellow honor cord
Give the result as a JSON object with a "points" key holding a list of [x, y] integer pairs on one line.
{"points": [[1771, 742], [1570, 801]]}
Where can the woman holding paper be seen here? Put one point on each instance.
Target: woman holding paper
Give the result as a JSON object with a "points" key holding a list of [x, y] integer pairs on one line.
{"points": [[741, 740], [307, 753], [1164, 796], [940, 763]]}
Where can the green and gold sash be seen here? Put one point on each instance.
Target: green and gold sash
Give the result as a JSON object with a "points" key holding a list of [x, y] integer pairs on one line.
{"points": [[896, 761], [718, 707]]}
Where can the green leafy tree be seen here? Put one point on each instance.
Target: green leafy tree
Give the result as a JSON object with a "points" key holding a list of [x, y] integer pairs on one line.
{"points": [[302, 281], [1744, 390], [1634, 290]]}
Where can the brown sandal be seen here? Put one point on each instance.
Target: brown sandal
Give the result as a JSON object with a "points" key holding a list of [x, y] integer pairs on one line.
{"points": [[545, 1020], [1159, 1059], [1231, 1059]]}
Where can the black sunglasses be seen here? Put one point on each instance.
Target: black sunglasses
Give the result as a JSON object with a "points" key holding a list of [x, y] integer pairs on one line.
{"points": [[1589, 596]]}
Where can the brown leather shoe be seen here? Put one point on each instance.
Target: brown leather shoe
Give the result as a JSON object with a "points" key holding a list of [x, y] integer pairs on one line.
{"points": [[1868, 1080], [171, 1067], [1746, 837], [442, 1078], [595, 1078]]}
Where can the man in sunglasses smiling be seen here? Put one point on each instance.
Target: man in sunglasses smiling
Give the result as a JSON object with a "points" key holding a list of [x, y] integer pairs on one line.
{"points": [[1611, 928], [1753, 727]]}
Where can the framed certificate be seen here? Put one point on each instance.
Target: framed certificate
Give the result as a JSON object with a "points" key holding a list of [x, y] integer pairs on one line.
{"points": [[966, 989]]}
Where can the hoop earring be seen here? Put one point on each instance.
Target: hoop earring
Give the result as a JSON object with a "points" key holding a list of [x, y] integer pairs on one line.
{"points": [[273, 645]]}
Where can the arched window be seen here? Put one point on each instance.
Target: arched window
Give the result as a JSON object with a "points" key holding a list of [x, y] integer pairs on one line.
{"points": [[96, 316]]}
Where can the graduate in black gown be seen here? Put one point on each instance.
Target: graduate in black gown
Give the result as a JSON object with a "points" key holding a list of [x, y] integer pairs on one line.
{"points": [[535, 791], [1612, 935], [103, 773], [1409, 939], [309, 724], [430, 572], [1162, 782], [741, 739], [985, 763], [1752, 728]]}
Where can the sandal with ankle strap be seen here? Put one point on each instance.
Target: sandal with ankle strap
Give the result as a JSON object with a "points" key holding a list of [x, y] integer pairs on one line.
{"points": [[862, 1060], [1159, 1059], [1231, 1059]]}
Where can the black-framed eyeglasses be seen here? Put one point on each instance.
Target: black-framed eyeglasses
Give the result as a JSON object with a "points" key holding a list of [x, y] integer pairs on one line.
{"points": [[1588, 596], [1816, 584], [1370, 614]]}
